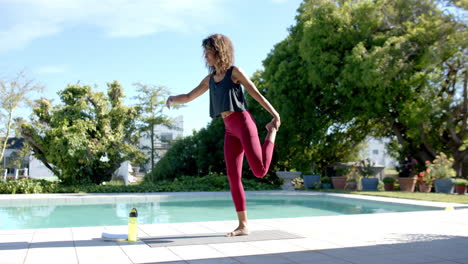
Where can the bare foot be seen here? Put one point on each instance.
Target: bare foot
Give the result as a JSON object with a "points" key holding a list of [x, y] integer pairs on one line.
{"points": [[240, 231]]}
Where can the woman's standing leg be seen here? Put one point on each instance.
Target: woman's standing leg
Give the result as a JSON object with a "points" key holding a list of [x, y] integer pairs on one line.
{"points": [[234, 155]]}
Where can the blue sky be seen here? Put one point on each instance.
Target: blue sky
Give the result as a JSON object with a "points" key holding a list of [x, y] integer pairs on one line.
{"points": [[157, 42]]}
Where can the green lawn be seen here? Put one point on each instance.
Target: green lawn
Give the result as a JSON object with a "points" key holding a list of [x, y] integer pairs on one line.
{"points": [[437, 197]]}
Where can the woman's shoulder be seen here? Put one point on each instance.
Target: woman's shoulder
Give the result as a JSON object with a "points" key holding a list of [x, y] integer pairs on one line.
{"points": [[237, 74]]}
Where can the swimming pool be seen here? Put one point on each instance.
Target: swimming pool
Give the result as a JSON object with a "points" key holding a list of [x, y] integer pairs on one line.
{"points": [[106, 210]]}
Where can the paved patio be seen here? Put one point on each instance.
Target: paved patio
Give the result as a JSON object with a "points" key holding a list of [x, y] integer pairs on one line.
{"points": [[400, 238]]}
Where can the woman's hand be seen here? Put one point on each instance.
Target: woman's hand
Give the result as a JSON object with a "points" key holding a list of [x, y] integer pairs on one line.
{"points": [[169, 101], [275, 123]]}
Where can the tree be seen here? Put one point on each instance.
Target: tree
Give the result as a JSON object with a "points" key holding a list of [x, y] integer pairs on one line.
{"points": [[349, 69], [71, 139], [14, 94], [150, 106]]}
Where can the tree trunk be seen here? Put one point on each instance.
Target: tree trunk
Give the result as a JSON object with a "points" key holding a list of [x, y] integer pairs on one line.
{"points": [[152, 147]]}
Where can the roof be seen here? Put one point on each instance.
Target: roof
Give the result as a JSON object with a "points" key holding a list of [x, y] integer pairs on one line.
{"points": [[14, 143]]}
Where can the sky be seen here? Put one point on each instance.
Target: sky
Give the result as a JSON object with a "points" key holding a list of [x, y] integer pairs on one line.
{"points": [[154, 42]]}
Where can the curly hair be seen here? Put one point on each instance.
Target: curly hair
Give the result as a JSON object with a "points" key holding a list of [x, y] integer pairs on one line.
{"points": [[223, 51]]}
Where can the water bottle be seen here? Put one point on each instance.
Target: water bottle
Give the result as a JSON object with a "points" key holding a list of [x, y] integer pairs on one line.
{"points": [[132, 225]]}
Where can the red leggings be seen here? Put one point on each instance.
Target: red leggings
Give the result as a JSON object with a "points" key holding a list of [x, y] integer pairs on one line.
{"points": [[241, 135]]}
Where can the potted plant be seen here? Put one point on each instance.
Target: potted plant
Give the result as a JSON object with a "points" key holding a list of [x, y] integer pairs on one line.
{"points": [[441, 169], [367, 171], [288, 177], [352, 178], [424, 181], [460, 185], [339, 181], [405, 174], [311, 178], [389, 183], [326, 182]]}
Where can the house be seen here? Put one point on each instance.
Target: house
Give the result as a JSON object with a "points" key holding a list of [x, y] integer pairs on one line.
{"points": [[164, 136], [377, 152]]}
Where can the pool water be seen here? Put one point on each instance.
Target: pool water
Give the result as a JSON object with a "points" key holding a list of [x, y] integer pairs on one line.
{"points": [[178, 209]]}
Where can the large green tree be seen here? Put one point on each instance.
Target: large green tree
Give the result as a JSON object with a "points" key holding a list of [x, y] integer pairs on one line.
{"points": [[86, 138], [348, 69]]}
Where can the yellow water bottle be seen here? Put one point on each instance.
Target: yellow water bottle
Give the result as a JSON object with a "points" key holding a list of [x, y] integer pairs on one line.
{"points": [[132, 225]]}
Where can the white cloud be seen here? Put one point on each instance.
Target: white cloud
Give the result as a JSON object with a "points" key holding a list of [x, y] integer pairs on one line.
{"points": [[26, 20], [52, 69]]}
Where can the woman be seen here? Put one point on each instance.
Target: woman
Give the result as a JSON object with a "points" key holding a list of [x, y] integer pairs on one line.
{"points": [[227, 100]]}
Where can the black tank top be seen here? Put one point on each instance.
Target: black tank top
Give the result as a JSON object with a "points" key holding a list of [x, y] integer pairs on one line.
{"points": [[226, 95]]}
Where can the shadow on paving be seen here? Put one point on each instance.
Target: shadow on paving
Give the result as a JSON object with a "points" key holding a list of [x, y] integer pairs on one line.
{"points": [[399, 249]]}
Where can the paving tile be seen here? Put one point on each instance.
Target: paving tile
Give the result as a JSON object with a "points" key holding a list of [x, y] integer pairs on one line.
{"points": [[51, 255], [141, 253], [12, 241], [101, 254], [261, 259], [167, 262], [415, 258], [196, 252], [365, 259], [13, 256], [237, 249], [226, 260], [311, 257], [313, 244], [276, 246], [443, 262]]}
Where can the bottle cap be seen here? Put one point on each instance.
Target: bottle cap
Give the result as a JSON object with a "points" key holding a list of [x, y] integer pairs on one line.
{"points": [[133, 213]]}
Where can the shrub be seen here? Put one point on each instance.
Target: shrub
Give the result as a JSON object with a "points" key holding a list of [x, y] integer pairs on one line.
{"points": [[209, 183], [389, 180]]}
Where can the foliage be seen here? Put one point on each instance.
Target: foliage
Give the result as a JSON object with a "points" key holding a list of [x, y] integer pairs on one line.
{"points": [[366, 167], [437, 197], [24, 186], [440, 167], [71, 139], [460, 182], [388, 180], [325, 179], [348, 69], [425, 178], [353, 174], [14, 93], [150, 107], [211, 182], [195, 155]]}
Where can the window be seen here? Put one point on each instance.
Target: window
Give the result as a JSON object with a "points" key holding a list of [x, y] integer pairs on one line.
{"points": [[166, 136], [375, 152]]}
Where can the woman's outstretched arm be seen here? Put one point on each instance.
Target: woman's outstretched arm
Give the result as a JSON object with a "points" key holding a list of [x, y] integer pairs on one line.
{"points": [[185, 98]]}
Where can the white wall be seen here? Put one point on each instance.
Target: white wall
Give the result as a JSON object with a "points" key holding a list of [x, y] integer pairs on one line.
{"points": [[377, 152], [37, 169]]}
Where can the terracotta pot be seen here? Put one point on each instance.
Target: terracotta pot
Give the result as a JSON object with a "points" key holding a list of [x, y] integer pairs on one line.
{"points": [[389, 186], [407, 184], [460, 189], [339, 182], [425, 188]]}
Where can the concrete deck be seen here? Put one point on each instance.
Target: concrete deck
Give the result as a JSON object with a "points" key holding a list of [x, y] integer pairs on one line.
{"points": [[390, 238]]}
